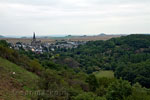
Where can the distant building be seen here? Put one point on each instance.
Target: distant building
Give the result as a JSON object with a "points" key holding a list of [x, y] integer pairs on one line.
{"points": [[34, 42]]}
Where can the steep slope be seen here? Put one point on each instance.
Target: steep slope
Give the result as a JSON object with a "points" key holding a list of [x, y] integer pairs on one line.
{"points": [[14, 80]]}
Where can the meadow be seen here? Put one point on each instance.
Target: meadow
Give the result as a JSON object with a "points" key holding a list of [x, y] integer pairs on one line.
{"points": [[104, 73]]}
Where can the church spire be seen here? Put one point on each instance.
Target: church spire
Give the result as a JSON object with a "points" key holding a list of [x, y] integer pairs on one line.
{"points": [[34, 36]]}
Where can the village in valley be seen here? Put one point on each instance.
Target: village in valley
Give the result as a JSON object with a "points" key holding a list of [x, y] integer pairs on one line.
{"points": [[40, 47]]}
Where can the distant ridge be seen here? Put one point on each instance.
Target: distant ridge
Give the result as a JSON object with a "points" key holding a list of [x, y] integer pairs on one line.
{"points": [[1, 36], [102, 34]]}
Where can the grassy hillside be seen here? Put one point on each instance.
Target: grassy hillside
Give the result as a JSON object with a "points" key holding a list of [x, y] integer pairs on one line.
{"points": [[14, 79], [108, 74]]}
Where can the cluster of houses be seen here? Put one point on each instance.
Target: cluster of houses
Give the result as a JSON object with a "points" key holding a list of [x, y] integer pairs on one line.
{"points": [[39, 47]]}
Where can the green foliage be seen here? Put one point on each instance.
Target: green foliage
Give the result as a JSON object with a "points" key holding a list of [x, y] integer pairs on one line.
{"points": [[54, 84], [118, 90], [105, 82], [84, 96], [101, 91], [105, 54], [139, 72], [3, 43], [139, 93], [88, 96], [92, 81], [122, 55], [35, 66]]}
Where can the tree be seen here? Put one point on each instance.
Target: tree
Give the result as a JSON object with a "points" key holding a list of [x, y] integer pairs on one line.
{"points": [[118, 90], [84, 96], [35, 66], [3, 43], [138, 93], [92, 81]]}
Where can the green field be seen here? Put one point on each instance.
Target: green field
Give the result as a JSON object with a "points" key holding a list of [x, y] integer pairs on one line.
{"points": [[104, 73]]}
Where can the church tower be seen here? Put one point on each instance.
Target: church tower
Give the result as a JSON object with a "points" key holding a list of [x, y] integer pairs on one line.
{"points": [[34, 38], [34, 42]]}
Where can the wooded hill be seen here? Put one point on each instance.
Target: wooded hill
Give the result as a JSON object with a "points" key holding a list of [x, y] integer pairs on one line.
{"points": [[128, 57]]}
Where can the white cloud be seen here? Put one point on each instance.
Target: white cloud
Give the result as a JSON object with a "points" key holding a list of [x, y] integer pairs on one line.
{"points": [[49, 17]]}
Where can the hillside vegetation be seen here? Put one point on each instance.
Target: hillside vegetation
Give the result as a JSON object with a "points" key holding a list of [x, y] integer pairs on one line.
{"points": [[116, 69], [15, 79], [127, 56]]}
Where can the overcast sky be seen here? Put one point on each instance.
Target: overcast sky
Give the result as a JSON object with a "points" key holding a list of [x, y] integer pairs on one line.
{"points": [[76, 17]]}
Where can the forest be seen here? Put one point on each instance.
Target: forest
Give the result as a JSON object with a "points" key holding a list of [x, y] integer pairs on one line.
{"points": [[71, 72]]}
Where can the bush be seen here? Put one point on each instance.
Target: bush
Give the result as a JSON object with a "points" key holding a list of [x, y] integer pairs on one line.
{"points": [[118, 90]]}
